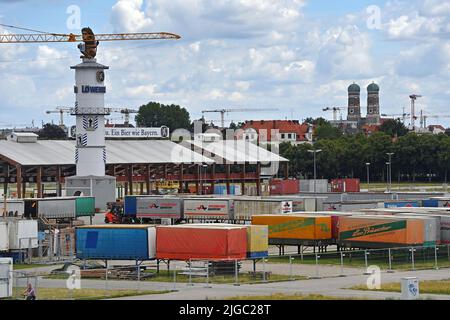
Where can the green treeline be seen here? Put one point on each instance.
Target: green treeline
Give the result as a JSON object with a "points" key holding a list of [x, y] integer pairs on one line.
{"points": [[417, 157]]}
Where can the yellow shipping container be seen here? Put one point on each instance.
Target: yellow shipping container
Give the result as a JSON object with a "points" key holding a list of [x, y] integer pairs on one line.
{"points": [[257, 238], [295, 226]]}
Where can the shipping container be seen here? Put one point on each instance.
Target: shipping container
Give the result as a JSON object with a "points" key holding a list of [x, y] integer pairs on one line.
{"points": [[56, 208], [59, 207], [302, 203], [222, 190], [14, 208], [201, 241], [296, 226], [402, 204], [374, 231], [116, 242], [308, 186], [208, 208], [6, 278], [4, 236], [335, 220], [84, 206], [345, 185], [257, 241], [159, 208], [431, 203], [244, 209], [350, 205], [280, 187], [130, 206], [432, 227], [22, 234]]}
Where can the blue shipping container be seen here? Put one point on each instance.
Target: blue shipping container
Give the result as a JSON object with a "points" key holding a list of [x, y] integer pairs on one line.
{"points": [[112, 243], [401, 204], [430, 203], [222, 190], [130, 206], [256, 255]]}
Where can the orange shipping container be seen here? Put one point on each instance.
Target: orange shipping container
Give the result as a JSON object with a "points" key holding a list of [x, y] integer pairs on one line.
{"points": [[295, 226], [215, 242], [381, 229]]}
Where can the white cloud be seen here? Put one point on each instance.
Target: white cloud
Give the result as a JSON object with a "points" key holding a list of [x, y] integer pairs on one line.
{"points": [[345, 53], [128, 15]]}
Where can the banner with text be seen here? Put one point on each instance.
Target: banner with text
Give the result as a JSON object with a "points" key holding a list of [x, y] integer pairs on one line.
{"points": [[162, 132]]}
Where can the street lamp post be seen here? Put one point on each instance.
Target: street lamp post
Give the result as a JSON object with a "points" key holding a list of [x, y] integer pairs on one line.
{"points": [[203, 187], [387, 177], [390, 154], [368, 176], [315, 168]]}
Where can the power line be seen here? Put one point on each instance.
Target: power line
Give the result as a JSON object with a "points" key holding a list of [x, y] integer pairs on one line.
{"points": [[24, 29]]}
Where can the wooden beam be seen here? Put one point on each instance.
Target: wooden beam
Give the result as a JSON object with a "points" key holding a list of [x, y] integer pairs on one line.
{"points": [[243, 178], [228, 177], [130, 179], [40, 193], [258, 179], [213, 176], [19, 181], [147, 179], [181, 177], [58, 181]]}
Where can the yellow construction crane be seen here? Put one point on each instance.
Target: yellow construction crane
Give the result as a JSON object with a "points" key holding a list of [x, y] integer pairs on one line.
{"points": [[61, 111], [90, 41]]}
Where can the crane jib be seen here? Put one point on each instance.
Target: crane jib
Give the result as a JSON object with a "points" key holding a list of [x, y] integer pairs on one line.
{"points": [[23, 38]]}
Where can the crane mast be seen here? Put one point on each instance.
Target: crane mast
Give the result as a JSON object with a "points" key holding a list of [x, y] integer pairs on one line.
{"points": [[54, 37]]}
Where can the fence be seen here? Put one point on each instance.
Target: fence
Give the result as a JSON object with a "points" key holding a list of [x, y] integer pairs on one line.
{"points": [[178, 275], [51, 248]]}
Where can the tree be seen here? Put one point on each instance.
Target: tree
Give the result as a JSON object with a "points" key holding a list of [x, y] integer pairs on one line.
{"points": [[326, 131], [394, 127], [155, 114], [52, 132]]}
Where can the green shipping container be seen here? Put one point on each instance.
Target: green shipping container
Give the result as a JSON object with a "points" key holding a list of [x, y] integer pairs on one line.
{"points": [[84, 206]]}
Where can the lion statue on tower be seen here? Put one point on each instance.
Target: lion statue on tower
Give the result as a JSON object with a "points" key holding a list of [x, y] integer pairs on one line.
{"points": [[89, 47]]}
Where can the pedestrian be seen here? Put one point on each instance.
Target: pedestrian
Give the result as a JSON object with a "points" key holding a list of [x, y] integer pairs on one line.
{"points": [[29, 293]]}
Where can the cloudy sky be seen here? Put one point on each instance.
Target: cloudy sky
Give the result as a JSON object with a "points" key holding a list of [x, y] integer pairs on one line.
{"points": [[297, 56]]}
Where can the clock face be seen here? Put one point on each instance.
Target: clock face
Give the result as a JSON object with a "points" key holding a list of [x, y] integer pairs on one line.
{"points": [[100, 76]]}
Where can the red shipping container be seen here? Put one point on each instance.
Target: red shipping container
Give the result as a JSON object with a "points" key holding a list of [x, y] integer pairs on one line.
{"points": [[184, 242], [280, 187], [345, 185]]}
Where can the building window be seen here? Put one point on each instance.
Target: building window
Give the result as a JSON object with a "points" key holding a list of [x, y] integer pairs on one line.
{"points": [[289, 136], [351, 111], [282, 136]]}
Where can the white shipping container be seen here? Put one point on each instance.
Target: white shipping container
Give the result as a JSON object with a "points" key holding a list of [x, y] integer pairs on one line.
{"points": [[63, 208], [22, 233], [349, 206], [208, 208], [432, 227], [308, 185], [4, 237], [444, 227], [151, 233], [244, 209], [6, 278], [149, 207], [14, 208]]}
